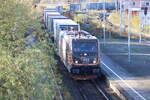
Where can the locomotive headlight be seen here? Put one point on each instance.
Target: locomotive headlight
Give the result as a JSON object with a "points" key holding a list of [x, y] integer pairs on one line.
{"points": [[94, 61], [76, 62], [85, 54]]}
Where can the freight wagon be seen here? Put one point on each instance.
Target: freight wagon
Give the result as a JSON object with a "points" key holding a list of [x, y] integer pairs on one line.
{"points": [[64, 25], [45, 10], [47, 14], [50, 21]]}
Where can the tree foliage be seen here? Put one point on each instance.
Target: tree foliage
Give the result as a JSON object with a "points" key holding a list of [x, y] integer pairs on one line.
{"points": [[24, 73]]}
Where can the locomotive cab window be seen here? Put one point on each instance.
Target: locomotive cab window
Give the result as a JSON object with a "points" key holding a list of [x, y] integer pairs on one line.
{"points": [[68, 27], [147, 3], [85, 46], [73, 27], [63, 28], [133, 3]]}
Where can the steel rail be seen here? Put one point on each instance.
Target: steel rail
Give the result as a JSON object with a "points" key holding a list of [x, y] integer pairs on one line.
{"points": [[100, 90], [84, 97]]}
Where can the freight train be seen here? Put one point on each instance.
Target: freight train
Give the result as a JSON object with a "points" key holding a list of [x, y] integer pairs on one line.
{"points": [[78, 49]]}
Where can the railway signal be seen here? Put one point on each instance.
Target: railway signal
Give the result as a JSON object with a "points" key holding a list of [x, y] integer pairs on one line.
{"points": [[143, 19], [145, 10]]}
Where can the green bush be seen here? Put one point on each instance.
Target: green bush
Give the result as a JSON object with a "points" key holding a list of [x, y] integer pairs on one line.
{"points": [[24, 70]]}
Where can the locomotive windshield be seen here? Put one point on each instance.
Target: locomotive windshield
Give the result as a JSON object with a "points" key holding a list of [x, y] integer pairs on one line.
{"points": [[68, 27], [85, 46]]}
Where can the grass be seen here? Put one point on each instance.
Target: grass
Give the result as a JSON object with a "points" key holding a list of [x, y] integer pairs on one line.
{"points": [[135, 22]]}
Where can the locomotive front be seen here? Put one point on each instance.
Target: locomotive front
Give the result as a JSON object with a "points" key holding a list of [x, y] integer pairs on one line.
{"points": [[85, 58]]}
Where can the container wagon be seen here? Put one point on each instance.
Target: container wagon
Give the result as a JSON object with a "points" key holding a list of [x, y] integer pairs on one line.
{"points": [[64, 25], [47, 14], [50, 21]]}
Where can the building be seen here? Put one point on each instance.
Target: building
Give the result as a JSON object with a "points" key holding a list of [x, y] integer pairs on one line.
{"points": [[128, 4], [145, 3], [134, 6]]}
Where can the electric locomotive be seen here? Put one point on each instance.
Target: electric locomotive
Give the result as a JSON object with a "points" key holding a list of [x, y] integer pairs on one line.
{"points": [[79, 51]]}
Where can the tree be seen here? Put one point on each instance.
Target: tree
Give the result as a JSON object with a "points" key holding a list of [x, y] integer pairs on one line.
{"points": [[22, 69]]}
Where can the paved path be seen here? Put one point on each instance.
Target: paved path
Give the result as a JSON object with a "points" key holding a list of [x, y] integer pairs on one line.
{"points": [[133, 81]]}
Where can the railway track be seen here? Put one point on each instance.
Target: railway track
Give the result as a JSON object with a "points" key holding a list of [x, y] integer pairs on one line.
{"points": [[86, 90], [92, 90], [100, 90]]}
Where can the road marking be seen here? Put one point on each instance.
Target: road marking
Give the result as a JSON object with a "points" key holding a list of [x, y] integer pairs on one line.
{"points": [[134, 54], [144, 43], [124, 82]]}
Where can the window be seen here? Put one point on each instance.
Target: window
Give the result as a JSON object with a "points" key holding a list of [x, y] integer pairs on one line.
{"points": [[86, 46], [133, 3], [147, 3]]}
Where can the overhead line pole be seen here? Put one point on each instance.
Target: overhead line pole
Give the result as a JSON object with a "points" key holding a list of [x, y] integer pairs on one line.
{"points": [[120, 17], [104, 17], [116, 4], [140, 33], [129, 36]]}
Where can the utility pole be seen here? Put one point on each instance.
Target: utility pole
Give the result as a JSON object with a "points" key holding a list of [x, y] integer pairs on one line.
{"points": [[129, 36], [145, 13], [140, 33], [116, 4], [104, 17], [120, 17]]}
